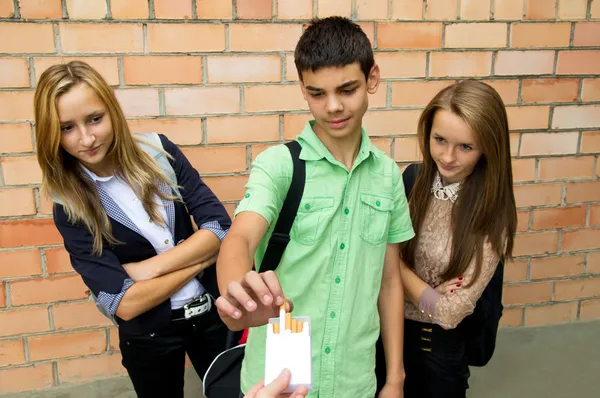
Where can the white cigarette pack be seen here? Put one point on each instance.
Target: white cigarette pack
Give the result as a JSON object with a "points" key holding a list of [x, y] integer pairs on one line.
{"points": [[286, 349]]}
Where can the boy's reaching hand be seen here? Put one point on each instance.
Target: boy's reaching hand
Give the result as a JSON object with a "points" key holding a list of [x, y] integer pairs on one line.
{"points": [[252, 301]]}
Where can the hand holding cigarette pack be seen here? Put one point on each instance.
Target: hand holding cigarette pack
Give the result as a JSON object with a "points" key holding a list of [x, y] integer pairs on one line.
{"points": [[289, 346]]}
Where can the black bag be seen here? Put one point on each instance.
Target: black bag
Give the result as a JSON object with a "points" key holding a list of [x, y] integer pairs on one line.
{"points": [[222, 379], [481, 327]]}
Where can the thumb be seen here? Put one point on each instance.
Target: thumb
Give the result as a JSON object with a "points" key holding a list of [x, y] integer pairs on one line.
{"points": [[279, 384]]}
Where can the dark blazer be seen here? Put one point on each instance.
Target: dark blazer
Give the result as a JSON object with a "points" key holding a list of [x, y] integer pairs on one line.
{"points": [[104, 274]]}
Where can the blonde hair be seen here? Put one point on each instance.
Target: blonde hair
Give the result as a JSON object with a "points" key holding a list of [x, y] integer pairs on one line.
{"points": [[62, 179]]}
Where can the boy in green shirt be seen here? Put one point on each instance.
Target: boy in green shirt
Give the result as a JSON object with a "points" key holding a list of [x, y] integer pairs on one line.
{"points": [[341, 266]]}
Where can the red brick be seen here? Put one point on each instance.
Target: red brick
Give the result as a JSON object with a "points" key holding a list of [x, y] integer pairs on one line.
{"points": [[583, 191], [2, 295], [138, 101], [144, 70], [293, 124], [458, 64], [78, 315], [523, 220], [531, 35], [536, 243], [328, 8], [527, 293], [369, 29], [264, 37], [550, 90], [593, 263], [7, 9], [15, 138], [475, 9], [523, 170], [227, 188], [538, 194], [29, 378], [565, 117], [12, 352], [233, 129], [383, 144], [129, 9], [86, 10], [108, 67], [515, 270], [514, 143], [390, 123], [101, 38], [587, 34], [407, 9], [91, 368], [559, 217], [556, 267], [173, 9], [476, 35], [379, 99], [185, 37], [591, 90], [16, 105], [372, 9], [396, 65], [540, 9], [512, 317], [22, 321], [572, 9], [441, 9], [254, 9], [416, 93], [577, 288], [274, 98], [524, 63], [217, 159], [114, 338], [41, 9], [590, 309], [244, 68], [581, 239], [182, 131], [33, 38], [571, 167], [214, 9], [550, 314], [258, 149], [21, 170], [15, 72], [202, 100], [14, 233], [291, 73], [406, 149], [508, 9], [46, 290], [66, 345], [58, 261], [16, 202], [528, 117], [20, 263], [45, 205], [582, 62], [409, 35], [595, 10], [594, 215], [294, 9], [549, 143]]}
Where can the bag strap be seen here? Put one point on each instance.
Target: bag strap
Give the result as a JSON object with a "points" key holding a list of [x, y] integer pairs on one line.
{"points": [[159, 156], [281, 234], [409, 176]]}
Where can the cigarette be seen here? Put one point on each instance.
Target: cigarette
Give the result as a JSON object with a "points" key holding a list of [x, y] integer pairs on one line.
{"points": [[300, 325], [294, 326], [288, 321], [276, 328]]}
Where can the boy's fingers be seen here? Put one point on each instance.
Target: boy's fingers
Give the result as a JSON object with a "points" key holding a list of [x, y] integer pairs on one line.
{"points": [[277, 386], [255, 389], [224, 306], [300, 392], [258, 287], [236, 291], [272, 281]]}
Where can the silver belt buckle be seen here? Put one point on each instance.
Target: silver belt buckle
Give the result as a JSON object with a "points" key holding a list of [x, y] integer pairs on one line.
{"points": [[198, 306]]}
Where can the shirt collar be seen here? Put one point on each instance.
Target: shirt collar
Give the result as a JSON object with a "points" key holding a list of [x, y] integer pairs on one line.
{"points": [[93, 176]]}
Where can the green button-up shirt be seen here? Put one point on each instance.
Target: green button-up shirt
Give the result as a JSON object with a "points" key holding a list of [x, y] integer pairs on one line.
{"points": [[332, 267]]}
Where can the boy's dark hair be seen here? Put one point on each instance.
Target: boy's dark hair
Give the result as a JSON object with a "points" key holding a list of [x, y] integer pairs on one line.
{"points": [[333, 41]]}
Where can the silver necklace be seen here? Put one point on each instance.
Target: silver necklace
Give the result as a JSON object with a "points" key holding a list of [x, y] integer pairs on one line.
{"points": [[448, 192]]}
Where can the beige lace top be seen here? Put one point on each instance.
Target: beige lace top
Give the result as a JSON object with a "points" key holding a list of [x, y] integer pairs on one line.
{"points": [[432, 257]]}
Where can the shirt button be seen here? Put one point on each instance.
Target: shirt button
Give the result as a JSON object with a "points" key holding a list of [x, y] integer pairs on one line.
{"points": [[342, 246], [166, 241], [307, 206], [332, 314], [327, 350], [346, 210], [378, 203], [338, 280], [135, 200], [247, 195]]}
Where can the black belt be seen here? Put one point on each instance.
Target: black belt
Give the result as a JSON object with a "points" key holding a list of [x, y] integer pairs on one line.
{"points": [[196, 307], [429, 336]]}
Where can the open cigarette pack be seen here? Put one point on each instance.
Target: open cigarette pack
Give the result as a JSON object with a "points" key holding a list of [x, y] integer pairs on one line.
{"points": [[289, 346]]}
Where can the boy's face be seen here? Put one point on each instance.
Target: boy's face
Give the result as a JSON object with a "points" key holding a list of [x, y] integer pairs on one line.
{"points": [[338, 98]]}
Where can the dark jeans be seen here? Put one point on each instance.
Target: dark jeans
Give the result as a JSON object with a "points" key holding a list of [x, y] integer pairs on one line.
{"points": [[156, 361], [434, 361]]}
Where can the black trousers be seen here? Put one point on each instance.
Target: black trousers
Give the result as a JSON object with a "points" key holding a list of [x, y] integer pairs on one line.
{"points": [[434, 361], [156, 362]]}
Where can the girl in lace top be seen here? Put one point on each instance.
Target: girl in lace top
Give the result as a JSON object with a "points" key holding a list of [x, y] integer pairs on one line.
{"points": [[464, 215]]}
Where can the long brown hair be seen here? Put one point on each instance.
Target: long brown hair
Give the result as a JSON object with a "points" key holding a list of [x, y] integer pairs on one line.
{"points": [[62, 180], [485, 208]]}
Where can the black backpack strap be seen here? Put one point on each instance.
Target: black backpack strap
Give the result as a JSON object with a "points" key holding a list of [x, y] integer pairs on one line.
{"points": [[409, 177], [281, 234]]}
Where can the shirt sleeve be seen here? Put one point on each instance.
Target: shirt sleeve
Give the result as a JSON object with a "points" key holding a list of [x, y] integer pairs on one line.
{"points": [[206, 209], [401, 228], [270, 177], [103, 274]]}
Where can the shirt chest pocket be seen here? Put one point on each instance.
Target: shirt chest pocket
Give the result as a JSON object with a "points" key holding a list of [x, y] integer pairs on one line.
{"points": [[313, 218], [375, 211]]}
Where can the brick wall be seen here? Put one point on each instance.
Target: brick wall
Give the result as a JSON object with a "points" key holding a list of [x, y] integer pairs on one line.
{"points": [[217, 76]]}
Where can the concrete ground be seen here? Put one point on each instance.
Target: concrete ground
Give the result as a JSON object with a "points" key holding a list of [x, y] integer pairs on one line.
{"points": [[546, 362]]}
